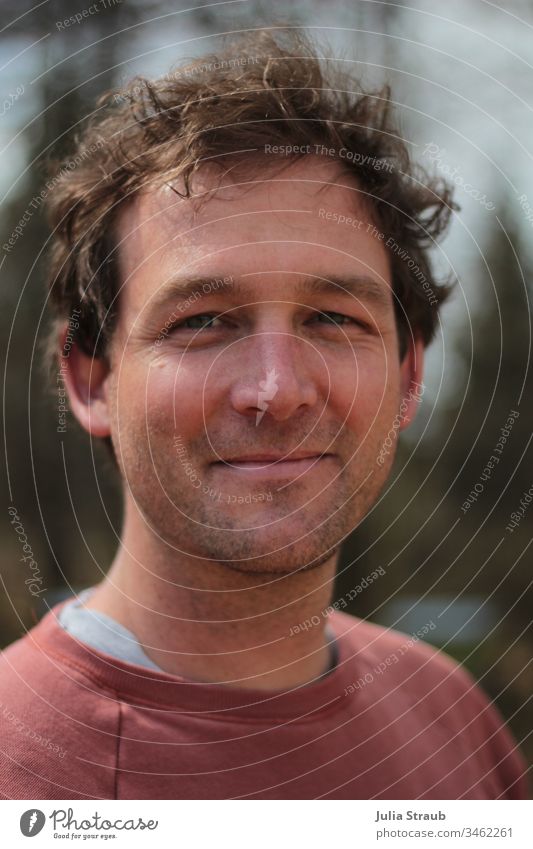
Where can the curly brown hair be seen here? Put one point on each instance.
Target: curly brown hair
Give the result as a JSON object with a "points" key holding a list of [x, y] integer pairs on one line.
{"points": [[262, 90]]}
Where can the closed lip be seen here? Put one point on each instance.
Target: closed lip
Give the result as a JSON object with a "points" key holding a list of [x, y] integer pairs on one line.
{"points": [[273, 458]]}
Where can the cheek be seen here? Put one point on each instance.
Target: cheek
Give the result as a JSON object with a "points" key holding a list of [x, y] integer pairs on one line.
{"points": [[173, 400], [152, 406], [366, 391]]}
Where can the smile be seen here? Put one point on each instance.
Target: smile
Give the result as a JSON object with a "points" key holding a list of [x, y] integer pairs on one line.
{"points": [[261, 465]]}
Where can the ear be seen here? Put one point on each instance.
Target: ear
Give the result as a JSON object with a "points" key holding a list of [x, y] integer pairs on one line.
{"points": [[411, 386], [86, 379]]}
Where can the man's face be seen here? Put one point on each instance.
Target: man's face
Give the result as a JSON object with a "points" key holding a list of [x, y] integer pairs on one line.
{"points": [[285, 344]]}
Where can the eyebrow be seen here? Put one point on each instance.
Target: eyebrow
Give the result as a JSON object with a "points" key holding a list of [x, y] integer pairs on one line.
{"points": [[361, 287]]}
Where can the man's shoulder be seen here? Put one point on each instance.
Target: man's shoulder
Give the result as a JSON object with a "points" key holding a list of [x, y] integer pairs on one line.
{"points": [[38, 666], [408, 663], [413, 676], [406, 683], [53, 723], [375, 642]]}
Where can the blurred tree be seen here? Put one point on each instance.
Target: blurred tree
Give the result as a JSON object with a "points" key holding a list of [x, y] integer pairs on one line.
{"points": [[51, 494]]}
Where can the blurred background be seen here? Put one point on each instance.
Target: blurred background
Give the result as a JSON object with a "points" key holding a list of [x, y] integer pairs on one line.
{"points": [[462, 81]]}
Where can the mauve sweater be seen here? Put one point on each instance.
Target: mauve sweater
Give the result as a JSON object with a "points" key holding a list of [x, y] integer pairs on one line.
{"points": [[393, 720]]}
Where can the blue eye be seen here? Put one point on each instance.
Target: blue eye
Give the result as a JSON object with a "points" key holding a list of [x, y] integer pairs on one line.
{"points": [[335, 318], [201, 324]]}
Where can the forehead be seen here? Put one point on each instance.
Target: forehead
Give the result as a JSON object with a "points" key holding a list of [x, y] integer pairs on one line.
{"points": [[309, 217]]}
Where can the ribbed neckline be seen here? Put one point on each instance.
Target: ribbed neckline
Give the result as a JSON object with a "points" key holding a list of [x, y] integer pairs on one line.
{"points": [[145, 687]]}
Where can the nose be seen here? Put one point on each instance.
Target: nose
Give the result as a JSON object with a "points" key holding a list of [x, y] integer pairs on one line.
{"points": [[278, 378]]}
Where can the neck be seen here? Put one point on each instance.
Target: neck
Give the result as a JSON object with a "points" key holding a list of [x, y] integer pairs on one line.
{"points": [[208, 622]]}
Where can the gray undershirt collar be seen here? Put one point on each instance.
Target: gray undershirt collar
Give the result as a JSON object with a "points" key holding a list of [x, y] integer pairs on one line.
{"points": [[102, 633]]}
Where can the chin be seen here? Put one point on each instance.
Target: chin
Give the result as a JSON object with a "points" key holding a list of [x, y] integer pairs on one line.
{"points": [[277, 548], [282, 562]]}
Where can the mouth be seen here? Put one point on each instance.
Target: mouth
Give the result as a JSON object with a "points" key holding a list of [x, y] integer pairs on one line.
{"points": [[272, 464]]}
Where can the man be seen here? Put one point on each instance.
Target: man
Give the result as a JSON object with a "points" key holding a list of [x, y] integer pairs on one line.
{"points": [[245, 247]]}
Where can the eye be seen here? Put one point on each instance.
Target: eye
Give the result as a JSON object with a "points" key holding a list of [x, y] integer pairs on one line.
{"points": [[336, 319], [197, 322]]}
